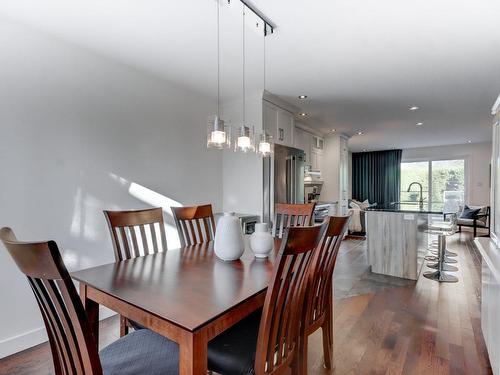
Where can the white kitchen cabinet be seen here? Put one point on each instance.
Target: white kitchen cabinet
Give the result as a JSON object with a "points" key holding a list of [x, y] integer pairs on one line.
{"points": [[286, 127], [489, 248], [270, 119], [302, 140], [316, 160], [279, 123], [344, 176], [335, 172], [318, 143]]}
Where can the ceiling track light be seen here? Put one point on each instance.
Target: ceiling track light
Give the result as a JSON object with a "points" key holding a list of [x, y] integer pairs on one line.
{"points": [[413, 108], [419, 123], [268, 25], [302, 96], [303, 114], [360, 133]]}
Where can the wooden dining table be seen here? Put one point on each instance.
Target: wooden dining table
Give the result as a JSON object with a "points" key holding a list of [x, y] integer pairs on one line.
{"points": [[187, 295]]}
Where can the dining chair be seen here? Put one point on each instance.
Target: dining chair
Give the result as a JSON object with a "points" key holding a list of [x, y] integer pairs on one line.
{"points": [[318, 312], [136, 233], [73, 347], [267, 341], [291, 215], [194, 224]]}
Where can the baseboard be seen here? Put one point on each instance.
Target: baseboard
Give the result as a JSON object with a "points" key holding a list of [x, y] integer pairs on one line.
{"points": [[35, 337]]}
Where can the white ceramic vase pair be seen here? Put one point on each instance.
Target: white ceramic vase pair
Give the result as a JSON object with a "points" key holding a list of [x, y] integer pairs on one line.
{"points": [[229, 243]]}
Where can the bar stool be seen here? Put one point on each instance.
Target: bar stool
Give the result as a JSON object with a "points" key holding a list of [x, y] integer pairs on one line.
{"points": [[434, 245], [442, 258]]}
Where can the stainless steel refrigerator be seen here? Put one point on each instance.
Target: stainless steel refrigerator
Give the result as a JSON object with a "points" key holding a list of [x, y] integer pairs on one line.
{"points": [[283, 178]]}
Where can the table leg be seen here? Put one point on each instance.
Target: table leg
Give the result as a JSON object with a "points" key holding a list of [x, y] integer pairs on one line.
{"points": [[193, 353], [92, 310]]}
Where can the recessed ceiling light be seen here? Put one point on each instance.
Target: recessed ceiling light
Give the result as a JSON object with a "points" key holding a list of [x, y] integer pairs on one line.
{"points": [[413, 108], [360, 133], [334, 130], [364, 150], [303, 114], [302, 96], [419, 123], [469, 141]]}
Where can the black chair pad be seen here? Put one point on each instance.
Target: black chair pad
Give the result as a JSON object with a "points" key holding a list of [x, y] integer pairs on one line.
{"points": [[136, 325], [233, 351], [141, 352]]}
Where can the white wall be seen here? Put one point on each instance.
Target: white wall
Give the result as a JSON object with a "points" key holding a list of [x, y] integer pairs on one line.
{"points": [[478, 158], [79, 134]]}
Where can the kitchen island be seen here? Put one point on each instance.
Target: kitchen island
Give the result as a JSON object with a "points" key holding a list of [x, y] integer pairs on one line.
{"points": [[397, 238]]}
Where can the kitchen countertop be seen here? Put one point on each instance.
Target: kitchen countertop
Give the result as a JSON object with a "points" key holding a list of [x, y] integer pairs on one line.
{"points": [[408, 207]]}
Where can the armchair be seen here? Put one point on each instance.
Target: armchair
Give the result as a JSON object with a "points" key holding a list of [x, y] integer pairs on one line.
{"points": [[481, 220]]}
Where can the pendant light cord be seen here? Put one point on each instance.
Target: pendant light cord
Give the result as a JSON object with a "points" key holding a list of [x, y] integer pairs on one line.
{"points": [[243, 44], [218, 58], [264, 58]]}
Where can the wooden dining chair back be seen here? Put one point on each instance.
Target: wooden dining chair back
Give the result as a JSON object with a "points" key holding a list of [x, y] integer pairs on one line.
{"points": [[73, 347], [194, 224], [318, 312], [277, 347], [291, 215], [136, 233]]}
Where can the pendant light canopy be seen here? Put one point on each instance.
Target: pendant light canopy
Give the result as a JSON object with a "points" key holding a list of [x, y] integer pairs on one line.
{"points": [[218, 134]]}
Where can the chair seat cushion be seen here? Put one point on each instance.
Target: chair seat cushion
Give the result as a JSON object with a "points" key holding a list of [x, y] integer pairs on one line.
{"points": [[141, 352], [233, 351], [470, 222]]}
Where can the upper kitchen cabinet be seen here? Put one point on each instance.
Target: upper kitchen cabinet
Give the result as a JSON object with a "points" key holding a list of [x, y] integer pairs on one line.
{"points": [[279, 123], [318, 143], [316, 160], [303, 140]]}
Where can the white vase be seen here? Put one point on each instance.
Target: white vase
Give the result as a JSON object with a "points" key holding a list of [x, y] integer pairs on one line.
{"points": [[229, 244], [261, 241]]}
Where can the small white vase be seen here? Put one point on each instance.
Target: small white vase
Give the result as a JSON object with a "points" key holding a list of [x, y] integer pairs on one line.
{"points": [[261, 241], [229, 243]]}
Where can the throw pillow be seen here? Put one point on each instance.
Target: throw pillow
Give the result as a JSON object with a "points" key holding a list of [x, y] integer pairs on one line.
{"points": [[469, 213]]}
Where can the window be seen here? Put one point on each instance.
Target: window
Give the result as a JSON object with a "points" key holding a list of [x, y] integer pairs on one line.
{"points": [[443, 183]]}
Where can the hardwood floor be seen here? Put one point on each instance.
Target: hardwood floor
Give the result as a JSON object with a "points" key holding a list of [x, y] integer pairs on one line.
{"points": [[383, 325]]}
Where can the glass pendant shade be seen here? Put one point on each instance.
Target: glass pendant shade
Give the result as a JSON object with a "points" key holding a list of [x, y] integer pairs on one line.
{"points": [[218, 134], [265, 147], [245, 141]]}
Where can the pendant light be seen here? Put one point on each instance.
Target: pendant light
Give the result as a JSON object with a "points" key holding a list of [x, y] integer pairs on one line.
{"points": [[218, 134], [265, 147], [245, 141]]}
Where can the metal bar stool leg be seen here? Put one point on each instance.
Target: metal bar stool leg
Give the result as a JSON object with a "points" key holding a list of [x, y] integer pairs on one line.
{"points": [[440, 275]]}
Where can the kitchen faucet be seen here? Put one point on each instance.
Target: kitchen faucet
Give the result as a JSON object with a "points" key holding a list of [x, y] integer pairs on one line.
{"points": [[421, 201]]}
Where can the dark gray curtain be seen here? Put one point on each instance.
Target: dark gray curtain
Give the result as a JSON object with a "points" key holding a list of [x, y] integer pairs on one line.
{"points": [[376, 176]]}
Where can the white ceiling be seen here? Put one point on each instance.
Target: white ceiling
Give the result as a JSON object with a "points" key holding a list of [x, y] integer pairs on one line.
{"points": [[361, 63]]}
